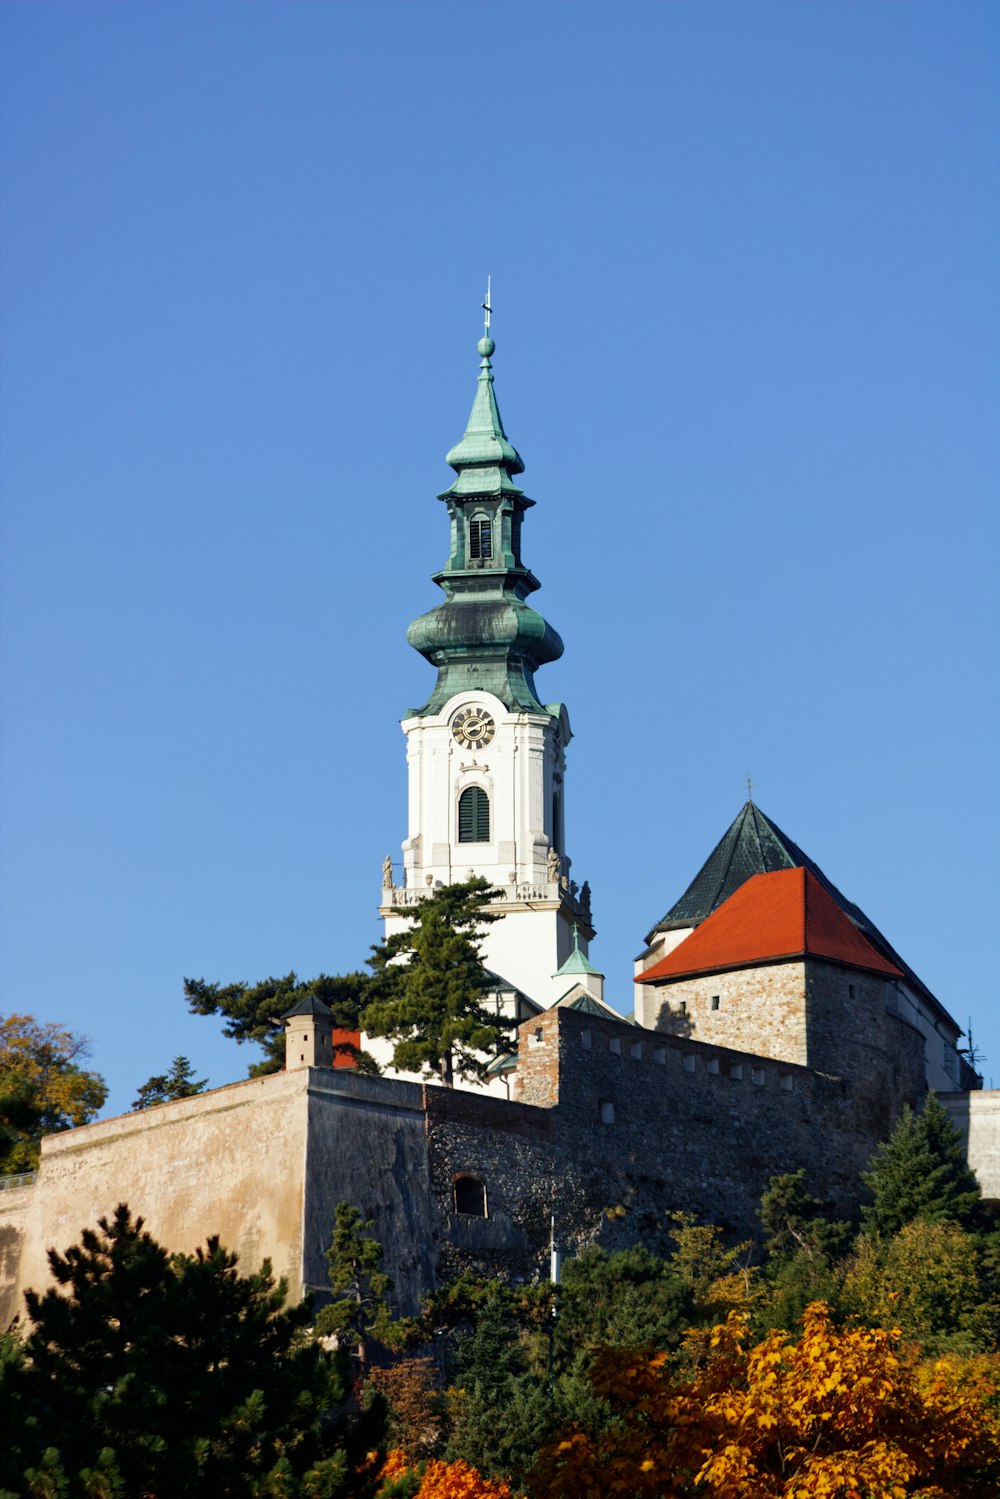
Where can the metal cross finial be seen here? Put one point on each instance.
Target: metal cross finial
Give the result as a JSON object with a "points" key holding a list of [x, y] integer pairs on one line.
{"points": [[750, 788], [486, 305]]}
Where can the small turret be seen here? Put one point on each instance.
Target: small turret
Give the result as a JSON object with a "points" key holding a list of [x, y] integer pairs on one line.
{"points": [[579, 971], [308, 1034]]}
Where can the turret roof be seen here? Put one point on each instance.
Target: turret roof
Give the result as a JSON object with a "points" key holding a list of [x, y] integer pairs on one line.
{"points": [[577, 962], [774, 917], [309, 1005]]}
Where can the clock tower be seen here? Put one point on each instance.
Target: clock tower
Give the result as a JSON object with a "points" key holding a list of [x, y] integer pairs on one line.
{"points": [[486, 757]]}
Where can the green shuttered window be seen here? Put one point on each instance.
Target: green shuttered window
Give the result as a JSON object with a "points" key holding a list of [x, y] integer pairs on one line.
{"points": [[473, 816], [480, 539]]}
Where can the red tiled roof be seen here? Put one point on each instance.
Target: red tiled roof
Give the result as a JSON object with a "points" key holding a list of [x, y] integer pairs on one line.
{"points": [[785, 914]]}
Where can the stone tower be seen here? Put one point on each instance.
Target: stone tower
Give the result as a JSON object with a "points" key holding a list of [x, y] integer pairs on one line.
{"points": [[486, 757]]}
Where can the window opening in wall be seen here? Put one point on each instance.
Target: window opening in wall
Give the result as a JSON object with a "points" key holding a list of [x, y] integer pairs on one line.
{"points": [[715, 1001], [480, 540], [473, 816], [469, 1194], [684, 1006], [850, 991]]}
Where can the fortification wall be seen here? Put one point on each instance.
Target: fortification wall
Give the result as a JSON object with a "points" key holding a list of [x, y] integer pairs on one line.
{"points": [[656, 1122], [367, 1145], [230, 1162], [855, 1032], [976, 1116]]}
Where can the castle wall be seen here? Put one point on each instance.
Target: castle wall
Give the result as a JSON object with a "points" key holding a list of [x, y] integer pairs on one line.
{"points": [[613, 1127], [619, 1126], [229, 1162], [976, 1116], [367, 1145]]}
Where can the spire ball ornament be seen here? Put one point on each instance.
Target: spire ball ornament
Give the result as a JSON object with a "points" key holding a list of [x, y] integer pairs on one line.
{"points": [[486, 346]]}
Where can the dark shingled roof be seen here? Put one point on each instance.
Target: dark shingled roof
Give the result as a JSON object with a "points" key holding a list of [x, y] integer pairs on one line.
{"points": [[756, 845], [309, 1005]]}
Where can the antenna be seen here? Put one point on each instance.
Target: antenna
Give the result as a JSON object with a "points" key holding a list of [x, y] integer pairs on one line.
{"points": [[487, 308]]}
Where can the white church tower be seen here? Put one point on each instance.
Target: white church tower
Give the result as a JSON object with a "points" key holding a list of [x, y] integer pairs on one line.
{"points": [[486, 758]]}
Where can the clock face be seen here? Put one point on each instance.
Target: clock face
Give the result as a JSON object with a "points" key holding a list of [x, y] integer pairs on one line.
{"points": [[474, 727]]}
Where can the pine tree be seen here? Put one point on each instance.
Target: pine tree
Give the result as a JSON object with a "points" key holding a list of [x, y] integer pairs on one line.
{"points": [[146, 1373], [499, 1406], [253, 1011], [429, 985], [359, 1312], [920, 1172], [179, 1082]]}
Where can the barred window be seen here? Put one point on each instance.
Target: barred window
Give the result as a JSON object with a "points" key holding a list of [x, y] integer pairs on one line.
{"points": [[473, 816]]}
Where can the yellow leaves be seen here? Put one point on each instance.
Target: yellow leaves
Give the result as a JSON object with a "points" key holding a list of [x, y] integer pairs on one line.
{"points": [[835, 1414]]}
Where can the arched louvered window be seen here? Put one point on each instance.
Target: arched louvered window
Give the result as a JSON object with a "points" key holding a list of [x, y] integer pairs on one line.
{"points": [[473, 816], [480, 540]]}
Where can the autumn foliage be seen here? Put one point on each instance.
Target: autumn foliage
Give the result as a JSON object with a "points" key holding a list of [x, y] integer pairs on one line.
{"points": [[836, 1414], [441, 1480]]}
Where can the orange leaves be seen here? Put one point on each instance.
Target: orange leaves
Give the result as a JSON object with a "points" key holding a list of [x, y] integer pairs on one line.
{"points": [[441, 1480], [837, 1414]]}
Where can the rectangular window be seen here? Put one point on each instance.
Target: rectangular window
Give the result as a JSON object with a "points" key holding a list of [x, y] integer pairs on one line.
{"points": [[715, 1001], [480, 540], [684, 1006]]}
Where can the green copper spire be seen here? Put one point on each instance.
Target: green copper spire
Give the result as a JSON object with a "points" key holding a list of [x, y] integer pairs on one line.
{"points": [[484, 636], [577, 962]]}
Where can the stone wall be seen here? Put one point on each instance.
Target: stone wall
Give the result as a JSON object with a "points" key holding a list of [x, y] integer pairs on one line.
{"points": [[229, 1162], [613, 1127], [367, 1145], [760, 1010], [976, 1116]]}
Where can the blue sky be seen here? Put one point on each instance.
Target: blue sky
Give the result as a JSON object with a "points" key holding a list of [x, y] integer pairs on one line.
{"points": [[744, 264]]}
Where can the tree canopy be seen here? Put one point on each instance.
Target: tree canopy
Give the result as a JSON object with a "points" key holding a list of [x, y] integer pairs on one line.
{"points": [[42, 1087], [152, 1374], [253, 1011], [179, 1082], [920, 1172], [429, 985], [826, 1414]]}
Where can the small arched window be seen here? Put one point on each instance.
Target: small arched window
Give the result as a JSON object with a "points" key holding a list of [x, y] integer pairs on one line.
{"points": [[473, 816], [480, 540], [470, 1196]]}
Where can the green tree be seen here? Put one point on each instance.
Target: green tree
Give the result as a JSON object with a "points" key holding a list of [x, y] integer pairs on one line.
{"points": [[179, 1082], [42, 1087], [359, 1313], [804, 1244], [920, 1172], [932, 1279], [429, 985], [158, 1375], [499, 1405], [628, 1299], [253, 1011]]}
